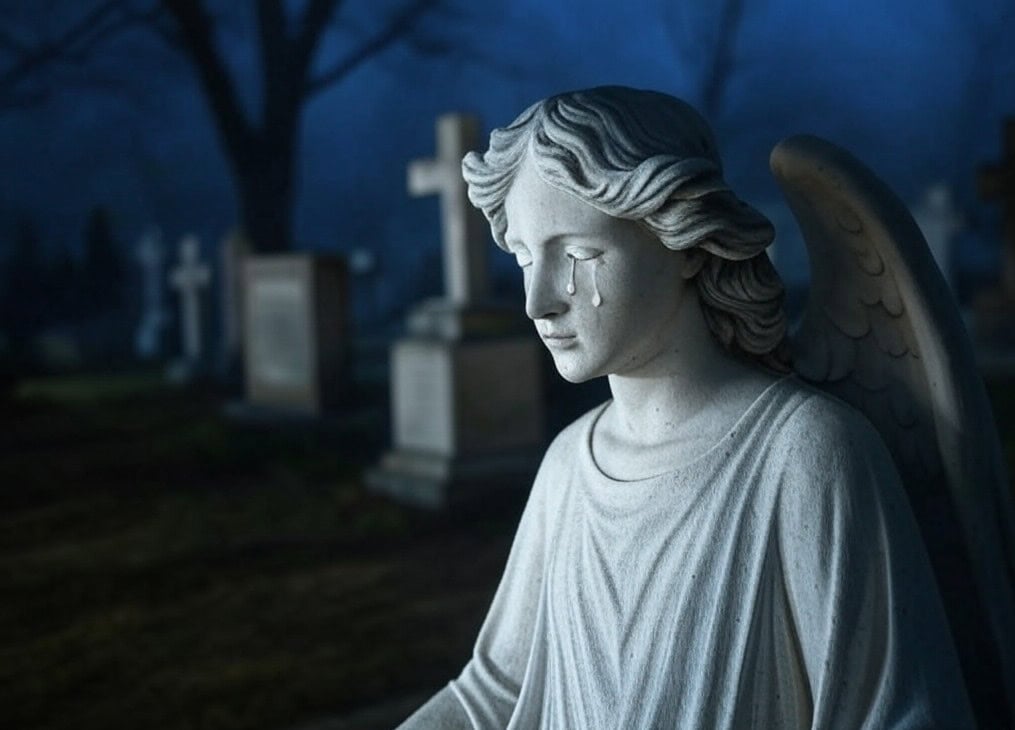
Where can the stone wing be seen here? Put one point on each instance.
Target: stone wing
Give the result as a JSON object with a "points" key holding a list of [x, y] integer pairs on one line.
{"points": [[881, 330]]}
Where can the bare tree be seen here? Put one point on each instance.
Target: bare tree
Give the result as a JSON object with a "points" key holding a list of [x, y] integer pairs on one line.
{"points": [[262, 148], [704, 37], [34, 64], [261, 144]]}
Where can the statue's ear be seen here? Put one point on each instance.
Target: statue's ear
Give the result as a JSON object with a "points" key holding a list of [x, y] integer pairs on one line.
{"points": [[694, 259]]}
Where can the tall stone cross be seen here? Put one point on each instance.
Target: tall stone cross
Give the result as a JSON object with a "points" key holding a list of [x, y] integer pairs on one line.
{"points": [[997, 183], [463, 227], [189, 278]]}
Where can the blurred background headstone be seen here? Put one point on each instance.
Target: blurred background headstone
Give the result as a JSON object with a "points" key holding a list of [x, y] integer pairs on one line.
{"points": [[940, 222], [190, 278], [296, 341], [149, 338]]}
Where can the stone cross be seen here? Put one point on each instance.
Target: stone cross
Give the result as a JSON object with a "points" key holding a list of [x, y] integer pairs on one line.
{"points": [[151, 257], [997, 183], [189, 278], [939, 220], [463, 226]]}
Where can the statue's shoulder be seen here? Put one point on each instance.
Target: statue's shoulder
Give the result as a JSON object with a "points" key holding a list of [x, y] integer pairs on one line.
{"points": [[815, 426], [562, 458], [574, 436], [568, 445], [824, 456]]}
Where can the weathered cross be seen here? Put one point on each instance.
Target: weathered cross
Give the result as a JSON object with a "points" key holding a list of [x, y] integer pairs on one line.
{"points": [[189, 278], [997, 183], [151, 257], [464, 228]]}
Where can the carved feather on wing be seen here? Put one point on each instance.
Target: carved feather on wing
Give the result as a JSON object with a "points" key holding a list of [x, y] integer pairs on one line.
{"points": [[881, 331]]}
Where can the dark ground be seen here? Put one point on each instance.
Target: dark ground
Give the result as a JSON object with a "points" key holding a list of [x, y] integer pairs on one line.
{"points": [[162, 567]]}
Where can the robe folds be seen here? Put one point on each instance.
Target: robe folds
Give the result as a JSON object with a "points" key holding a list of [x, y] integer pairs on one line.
{"points": [[776, 581]]}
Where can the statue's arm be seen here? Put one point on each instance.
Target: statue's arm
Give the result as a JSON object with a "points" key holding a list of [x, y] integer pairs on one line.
{"points": [[486, 691], [862, 599], [443, 710]]}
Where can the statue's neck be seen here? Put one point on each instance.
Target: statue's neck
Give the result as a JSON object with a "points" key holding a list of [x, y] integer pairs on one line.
{"points": [[675, 406], [693, 384]]}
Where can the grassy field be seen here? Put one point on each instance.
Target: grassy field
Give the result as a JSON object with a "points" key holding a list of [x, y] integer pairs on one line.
{"points": [[161, 567]]}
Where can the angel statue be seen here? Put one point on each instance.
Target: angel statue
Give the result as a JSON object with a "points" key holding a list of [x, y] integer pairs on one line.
{"points": [[758, 529]]}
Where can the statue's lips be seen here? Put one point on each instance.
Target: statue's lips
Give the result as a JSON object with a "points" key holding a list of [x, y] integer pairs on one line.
{"points": [[558, 340]]}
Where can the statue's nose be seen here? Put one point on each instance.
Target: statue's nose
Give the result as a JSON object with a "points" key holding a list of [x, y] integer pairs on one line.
{"points": [[544, 295]]}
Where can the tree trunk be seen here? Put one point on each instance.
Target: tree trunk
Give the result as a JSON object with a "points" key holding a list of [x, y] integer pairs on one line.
{"points": [[265, 184]]}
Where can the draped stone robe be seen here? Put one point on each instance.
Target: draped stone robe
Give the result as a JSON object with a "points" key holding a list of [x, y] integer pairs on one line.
{"points": [[776, 581]]}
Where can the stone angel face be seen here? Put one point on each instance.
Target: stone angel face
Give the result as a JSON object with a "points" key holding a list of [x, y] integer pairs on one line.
{"points": [[604, 294], [613, 203], [738, 543]]}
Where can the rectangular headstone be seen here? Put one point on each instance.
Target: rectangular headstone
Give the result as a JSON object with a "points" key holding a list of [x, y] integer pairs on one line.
{"points": [[295, 333]]}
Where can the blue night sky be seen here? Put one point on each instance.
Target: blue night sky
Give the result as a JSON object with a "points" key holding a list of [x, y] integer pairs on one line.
{"points": [[916, 88]]}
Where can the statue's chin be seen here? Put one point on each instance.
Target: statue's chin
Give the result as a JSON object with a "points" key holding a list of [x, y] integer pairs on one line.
{"points": [[574, 378], [574, 375], [579, 364]]}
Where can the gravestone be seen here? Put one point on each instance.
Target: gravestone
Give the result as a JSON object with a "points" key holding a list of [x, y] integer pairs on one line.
{"points": [[154, 320], [939, 221], [467, 412], [295, 338], [190, 278], [235, 248], [463, 227], [364, 270], [994, 309]]}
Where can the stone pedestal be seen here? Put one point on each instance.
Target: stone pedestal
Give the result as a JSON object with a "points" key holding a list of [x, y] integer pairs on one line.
{"points": [[295, 339], [467, 409]]}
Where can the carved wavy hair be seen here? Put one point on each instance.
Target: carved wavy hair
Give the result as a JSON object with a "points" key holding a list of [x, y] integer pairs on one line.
{"points": [[648, 157]]}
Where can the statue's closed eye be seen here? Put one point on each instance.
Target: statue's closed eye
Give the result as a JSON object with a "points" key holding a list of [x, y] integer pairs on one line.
{"points": [[583, 253]]}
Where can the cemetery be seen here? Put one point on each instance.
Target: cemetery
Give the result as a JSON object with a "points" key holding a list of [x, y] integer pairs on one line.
{"points": [[278, 371]]}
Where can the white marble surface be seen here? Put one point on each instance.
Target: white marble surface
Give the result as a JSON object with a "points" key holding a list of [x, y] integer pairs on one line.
{"points": [[721, 545], [774, 581]]}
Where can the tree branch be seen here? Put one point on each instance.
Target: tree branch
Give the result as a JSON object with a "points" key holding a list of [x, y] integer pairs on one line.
{"points": [[401, 24], [275, 61], [717, 78], [10, 43], [195, 31], [125, 19], [312, 25], [32, 58], [22, 83]]}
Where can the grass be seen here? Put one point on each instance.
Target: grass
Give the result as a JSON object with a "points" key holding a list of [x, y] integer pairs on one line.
{"points": [[163, 568]]}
